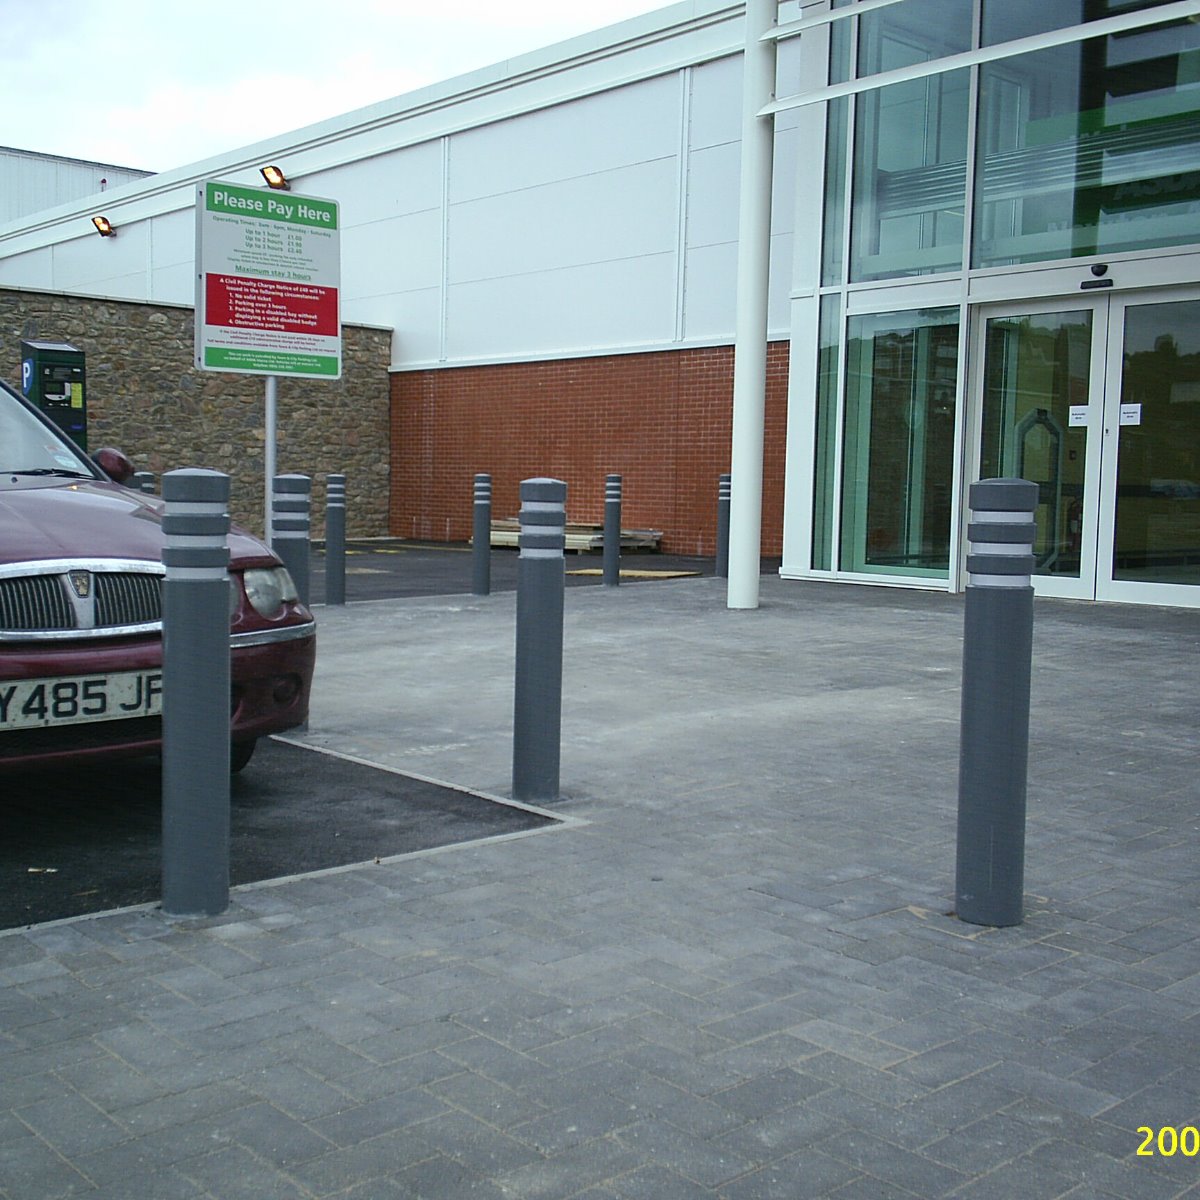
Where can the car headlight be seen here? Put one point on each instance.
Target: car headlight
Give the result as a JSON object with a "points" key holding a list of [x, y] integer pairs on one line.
{"points": [[268, 589]]}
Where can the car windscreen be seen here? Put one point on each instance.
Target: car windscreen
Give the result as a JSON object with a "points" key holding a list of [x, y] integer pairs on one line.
{"points": [[29, 447]]}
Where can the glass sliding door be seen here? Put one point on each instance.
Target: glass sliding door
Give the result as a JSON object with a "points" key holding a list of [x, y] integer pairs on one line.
{"points": [[1098, 403], [1040, 375], [898, 443], [1150, 539]]}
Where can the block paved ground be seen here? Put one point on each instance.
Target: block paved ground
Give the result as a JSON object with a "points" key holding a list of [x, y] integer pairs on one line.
{"points": [[733, 977]]}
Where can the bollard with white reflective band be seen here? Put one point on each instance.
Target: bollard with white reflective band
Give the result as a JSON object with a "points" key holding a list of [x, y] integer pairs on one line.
{"points": [[481, 537], [612, 530], [195, 694], [724, 492], [537, 704], [143, 481], [335, 539], [994, 739], [290, 498]]}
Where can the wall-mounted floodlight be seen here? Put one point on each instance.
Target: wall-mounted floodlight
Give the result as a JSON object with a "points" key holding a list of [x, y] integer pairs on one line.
{"points": [[275, 178], [104, 227]]}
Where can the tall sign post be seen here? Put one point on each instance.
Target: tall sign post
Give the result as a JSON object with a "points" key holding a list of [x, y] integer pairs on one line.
{"points": [[268, 273]]}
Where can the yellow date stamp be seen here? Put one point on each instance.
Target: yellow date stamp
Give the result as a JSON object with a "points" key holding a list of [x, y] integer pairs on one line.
{"points": [[1168, 1141]]}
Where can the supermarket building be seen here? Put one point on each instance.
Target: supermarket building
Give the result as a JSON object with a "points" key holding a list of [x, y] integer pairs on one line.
{"points": [[864, 253]]}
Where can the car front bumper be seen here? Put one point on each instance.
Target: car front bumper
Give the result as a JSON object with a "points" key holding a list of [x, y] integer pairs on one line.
{"points": [[270, 672]]}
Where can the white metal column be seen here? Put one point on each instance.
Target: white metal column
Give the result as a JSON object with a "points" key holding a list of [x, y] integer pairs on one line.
{"points": [[750, 343]]}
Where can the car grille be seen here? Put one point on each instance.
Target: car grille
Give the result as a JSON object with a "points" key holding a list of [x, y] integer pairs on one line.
{"points": [[126, 599], [35, 602], [90, 602]]}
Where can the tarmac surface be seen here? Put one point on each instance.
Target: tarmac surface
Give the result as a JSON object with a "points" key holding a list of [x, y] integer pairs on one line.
{"points": [[387, 568], [730, 972], [81, 841]]}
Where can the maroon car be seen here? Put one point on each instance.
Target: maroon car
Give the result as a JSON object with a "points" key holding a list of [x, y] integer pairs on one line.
{"points": [[80, 611]]}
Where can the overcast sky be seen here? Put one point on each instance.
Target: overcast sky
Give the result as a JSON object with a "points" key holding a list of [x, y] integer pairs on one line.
{"points": [[156, 84]]}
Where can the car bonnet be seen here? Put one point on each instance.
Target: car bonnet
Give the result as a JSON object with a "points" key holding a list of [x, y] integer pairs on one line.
{"points": [[93, 519]]}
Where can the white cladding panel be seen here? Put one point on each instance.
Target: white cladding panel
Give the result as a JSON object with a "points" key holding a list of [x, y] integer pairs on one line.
{"points": [[623, 213], [637, 123], [779, 290], [174, 241], [416, 318], [711, 227], [386, 258], [33, 269], [113, 266], [173, 284], [712, 211], [597, 307], [562, 226], [716, 109], [783, 190], [711, 283], [384, 187]]}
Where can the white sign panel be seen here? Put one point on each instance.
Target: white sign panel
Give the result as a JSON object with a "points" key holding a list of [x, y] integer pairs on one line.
{"points": [[268, 270]]}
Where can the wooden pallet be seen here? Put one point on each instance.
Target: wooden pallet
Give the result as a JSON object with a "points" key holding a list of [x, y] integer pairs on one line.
{"points": [[580, 539]]}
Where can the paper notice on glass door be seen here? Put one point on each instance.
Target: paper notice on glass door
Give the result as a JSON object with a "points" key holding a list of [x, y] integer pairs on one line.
{"points": [[1131, 414]]}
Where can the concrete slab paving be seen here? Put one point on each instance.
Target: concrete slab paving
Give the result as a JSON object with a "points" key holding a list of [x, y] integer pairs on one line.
{"points": [[735, 977]]}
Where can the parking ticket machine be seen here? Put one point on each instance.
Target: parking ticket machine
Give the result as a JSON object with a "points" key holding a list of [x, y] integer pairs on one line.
{"points": [[53, 378]]}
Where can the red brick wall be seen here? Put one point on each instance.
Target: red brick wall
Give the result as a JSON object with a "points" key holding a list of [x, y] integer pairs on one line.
{"points": [[661, 420]]}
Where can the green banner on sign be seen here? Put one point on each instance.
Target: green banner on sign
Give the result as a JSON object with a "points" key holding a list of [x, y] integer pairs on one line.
{"points": [[270, 362], [235, 201]]}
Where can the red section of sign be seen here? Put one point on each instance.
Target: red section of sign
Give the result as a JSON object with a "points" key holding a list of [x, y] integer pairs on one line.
{"points": [[241, 302]]}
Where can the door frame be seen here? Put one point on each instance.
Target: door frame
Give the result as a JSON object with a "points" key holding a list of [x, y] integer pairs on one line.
{"points": [[1082, 587], [1106, 361], [1177, 595]]}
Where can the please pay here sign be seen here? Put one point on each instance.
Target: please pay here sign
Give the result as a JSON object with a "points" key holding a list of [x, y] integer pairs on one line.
{"points": [[268, 269]]}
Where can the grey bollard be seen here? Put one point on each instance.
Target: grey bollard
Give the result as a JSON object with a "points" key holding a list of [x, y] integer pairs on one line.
{"points": [[481, 537], [143, 481], [724, 494], [994, 740], [195, 693], [537, 705], [612, 530], [290, 527], [335, 539]]}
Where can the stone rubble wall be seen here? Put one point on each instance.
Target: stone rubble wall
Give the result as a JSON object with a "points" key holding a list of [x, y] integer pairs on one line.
{"points": [[145, 396]]}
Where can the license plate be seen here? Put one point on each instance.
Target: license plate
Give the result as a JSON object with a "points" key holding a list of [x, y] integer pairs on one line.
{"points": [[71, 700]]}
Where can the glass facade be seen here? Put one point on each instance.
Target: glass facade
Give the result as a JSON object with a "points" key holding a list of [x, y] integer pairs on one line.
{"points": [[1089, 149], [898, 443], [825, 465], [837, 152], [1005, 20], [910, 144]]}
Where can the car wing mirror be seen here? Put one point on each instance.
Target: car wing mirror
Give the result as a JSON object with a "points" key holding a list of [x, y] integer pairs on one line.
{"points": [[114, 464]]}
